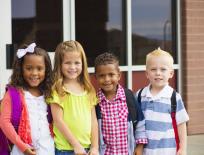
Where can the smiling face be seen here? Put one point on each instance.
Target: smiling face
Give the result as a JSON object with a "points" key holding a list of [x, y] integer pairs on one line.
{"points": [[108, 77], [71, 66], [159, 70], [33, 70]]}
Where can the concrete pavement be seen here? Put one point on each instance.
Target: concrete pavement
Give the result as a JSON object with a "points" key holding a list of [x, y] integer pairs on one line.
{"points": [[195, 145]]}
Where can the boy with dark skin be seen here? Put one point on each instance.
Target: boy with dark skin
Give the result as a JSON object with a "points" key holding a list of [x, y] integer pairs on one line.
{"points": [[116, 131]]}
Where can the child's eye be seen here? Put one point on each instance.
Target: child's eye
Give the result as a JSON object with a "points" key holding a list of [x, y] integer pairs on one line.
{"points": [[100, 75], [153, 69], [67, 62], [112, 74], [40, 69], [77, 63], [163, 69], [28, 68]]}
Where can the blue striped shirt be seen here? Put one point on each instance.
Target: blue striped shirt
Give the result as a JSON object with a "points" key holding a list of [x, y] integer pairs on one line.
{"points": [[158, 122]]}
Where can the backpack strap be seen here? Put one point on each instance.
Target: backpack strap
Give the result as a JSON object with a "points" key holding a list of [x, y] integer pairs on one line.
{"points": [[173, 116], [49, 114], [16, 106], [139, 96], [98, 111], [132, 109]]}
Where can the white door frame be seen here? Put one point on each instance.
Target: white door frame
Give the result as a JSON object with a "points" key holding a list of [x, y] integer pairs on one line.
{"points": [[6, 34], [5, 38]]}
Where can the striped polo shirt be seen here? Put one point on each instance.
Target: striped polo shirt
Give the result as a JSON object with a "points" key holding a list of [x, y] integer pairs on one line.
{"points": [[159, 129]]}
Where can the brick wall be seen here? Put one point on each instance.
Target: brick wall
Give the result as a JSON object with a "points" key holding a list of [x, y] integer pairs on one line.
{"points": [[193, 62]]}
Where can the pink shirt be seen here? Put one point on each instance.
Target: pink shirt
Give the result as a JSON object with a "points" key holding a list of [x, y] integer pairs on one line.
{"points": [[114, 122]]}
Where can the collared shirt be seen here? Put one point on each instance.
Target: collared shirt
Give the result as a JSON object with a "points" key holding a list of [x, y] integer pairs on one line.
{"points": [[157, 111], [114, 122]]}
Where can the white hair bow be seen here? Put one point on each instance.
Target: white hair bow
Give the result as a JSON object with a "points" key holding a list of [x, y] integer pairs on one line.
{"points": [[22, 52]]}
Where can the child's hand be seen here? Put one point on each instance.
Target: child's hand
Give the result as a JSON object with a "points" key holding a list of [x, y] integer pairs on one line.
{"points": [[79, 150], [139, 149], [30, 151], [181, 152], [137, 152], [93, 151]]}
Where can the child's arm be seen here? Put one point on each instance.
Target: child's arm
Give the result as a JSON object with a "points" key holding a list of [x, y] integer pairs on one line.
{"points": [[57, 114], [140, 137], [94, 133], [7, 126], [139, 149], [140, 132], [183, 138]]}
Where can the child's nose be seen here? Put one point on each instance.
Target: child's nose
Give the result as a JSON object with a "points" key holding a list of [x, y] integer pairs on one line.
{"points": [[72, 65], [158, 72], [34, 71], [107, 78]]}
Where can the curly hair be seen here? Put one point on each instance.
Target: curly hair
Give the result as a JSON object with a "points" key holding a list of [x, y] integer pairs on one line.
{"points": [[106, 58], [62, 48], [17, 79]]}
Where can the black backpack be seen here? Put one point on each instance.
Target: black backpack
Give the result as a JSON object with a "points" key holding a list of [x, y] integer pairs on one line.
{"points": [[132, 108]]}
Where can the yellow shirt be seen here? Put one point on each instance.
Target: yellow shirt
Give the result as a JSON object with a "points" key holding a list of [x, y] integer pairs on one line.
{"points": [[77, 116]]}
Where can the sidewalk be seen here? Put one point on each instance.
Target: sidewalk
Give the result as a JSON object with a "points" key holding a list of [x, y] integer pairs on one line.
{"points": [[195, 145]]}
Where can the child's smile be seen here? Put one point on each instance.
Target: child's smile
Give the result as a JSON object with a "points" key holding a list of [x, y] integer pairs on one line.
{"points": [[33, 70]]}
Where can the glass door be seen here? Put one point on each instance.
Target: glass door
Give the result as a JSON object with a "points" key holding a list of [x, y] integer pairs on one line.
{"points": [[27, 21]]}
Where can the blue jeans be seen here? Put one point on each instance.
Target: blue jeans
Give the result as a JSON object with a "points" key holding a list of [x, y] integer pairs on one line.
{"points": [[66, 152]]}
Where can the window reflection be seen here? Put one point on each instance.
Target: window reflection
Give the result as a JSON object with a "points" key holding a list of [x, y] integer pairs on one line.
{"points": [[153, 26], [37, 20], [100, 27]]}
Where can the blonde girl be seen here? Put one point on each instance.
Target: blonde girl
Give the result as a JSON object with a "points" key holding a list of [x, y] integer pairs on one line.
{"points": [[72, 102]]}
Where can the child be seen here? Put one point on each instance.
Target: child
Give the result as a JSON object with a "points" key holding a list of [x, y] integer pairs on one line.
{"points": [[116, 130], [72, 102], [156, 105], [32, 78]]}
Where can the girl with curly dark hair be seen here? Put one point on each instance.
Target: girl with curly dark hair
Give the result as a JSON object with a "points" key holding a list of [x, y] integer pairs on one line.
{"points": [[32, 78]]}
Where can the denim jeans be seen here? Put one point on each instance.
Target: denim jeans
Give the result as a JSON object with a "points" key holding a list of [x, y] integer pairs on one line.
{"points": [[66, 152]]}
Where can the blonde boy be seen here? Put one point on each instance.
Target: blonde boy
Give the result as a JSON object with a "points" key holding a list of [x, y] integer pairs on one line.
{"points": [[156, 105]]}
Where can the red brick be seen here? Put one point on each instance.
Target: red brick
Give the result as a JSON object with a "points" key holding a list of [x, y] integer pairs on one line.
{"points": [[195, 105], [197, 5], [195, 30]]}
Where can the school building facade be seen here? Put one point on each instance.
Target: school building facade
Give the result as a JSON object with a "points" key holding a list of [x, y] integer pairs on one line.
{"points": [[128, 28]]}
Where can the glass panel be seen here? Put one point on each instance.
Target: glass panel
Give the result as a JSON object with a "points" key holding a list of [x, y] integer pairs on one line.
{"points": [[100, 27], [153, 26], [37, 20], [139, 80]]}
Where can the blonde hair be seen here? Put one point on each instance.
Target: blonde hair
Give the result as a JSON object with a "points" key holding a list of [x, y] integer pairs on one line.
{"points": [[159, 52], [62, 48]]}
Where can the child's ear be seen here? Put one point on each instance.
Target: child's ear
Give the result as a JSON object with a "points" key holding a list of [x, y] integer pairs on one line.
{"points": [[119, 73], [171, 73], [95, 76], [146, 73]]}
